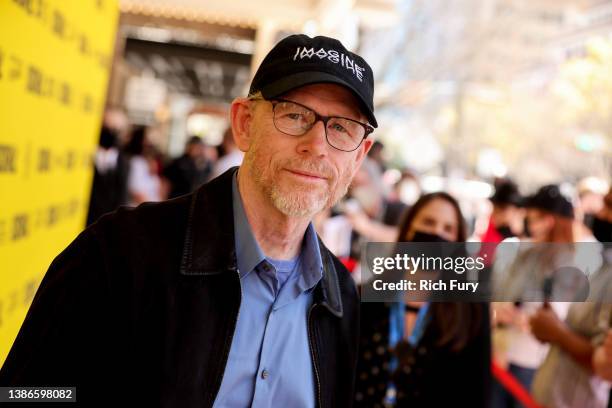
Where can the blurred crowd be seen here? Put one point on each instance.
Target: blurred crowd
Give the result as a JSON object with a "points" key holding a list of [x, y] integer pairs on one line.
{"points": [[130, 169], [429, 354]]}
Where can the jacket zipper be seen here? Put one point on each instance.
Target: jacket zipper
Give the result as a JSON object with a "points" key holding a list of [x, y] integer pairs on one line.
{"points": [[230, 340], [313, 356]]}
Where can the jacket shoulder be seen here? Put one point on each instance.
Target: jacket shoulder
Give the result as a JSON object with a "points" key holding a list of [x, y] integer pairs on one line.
{"points": [[137, 239], [148, 217]]}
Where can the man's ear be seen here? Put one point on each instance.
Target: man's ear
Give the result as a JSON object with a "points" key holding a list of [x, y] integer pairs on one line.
{"points": [[240, 119]]}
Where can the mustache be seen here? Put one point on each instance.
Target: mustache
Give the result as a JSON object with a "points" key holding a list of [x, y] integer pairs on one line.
{"points": [[318, 167]]}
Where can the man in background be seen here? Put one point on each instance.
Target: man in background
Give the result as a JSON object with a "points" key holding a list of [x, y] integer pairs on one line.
{"points": [[187, 172]]}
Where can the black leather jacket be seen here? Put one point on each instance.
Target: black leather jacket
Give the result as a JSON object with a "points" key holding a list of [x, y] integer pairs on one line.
{"points": [[142, 307]]}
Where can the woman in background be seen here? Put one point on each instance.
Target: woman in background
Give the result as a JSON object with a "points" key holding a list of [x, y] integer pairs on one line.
{"points": [[144, 183], [430, 354]]}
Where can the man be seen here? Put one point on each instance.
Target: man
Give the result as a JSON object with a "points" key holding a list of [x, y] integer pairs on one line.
{"points": [[109, 185], [187, 172], [507, 217], [224, 297]]}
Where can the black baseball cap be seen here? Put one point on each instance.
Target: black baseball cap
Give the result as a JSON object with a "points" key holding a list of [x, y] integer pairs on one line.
{"points": [[300, 60], [549, 198], [507, 192]]}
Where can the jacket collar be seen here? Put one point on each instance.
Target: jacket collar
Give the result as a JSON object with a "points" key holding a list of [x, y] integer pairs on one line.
{"points": [[209, 247]]}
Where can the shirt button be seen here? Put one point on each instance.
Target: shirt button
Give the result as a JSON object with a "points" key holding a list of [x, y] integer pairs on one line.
{"points": [[264, 374]]}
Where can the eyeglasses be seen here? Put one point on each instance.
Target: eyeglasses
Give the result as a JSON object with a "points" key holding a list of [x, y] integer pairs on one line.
{"points": [[292, 118]]}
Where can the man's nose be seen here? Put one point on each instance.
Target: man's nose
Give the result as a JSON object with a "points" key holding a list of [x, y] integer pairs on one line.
{"points": [[314, 141]]}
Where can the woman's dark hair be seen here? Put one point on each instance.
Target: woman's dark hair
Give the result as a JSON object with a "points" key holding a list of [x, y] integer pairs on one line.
{"points": [[108, 138], [135, 146], [456, 323], [421, 203]]}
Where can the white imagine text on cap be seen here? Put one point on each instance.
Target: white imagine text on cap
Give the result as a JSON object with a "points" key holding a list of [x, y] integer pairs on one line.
{"points": [[332, 56]]}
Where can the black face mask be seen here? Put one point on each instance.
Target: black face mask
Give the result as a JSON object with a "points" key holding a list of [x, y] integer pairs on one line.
{"points": [[420, 236], [505, 231], [602, 230], [588, 220]]}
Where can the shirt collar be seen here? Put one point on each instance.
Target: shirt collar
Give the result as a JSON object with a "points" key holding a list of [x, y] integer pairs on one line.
{"points": [[312, 264], [249, 253]]}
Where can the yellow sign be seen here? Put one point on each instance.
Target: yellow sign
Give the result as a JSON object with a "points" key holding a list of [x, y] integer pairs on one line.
{"points": [[55, 58]]}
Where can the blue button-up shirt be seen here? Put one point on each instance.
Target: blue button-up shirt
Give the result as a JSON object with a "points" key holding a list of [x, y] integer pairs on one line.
{"points": [[269, 363]]}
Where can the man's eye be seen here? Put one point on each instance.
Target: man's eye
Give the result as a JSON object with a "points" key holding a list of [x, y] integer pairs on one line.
{"points": [[295, 116], [338, 128]]}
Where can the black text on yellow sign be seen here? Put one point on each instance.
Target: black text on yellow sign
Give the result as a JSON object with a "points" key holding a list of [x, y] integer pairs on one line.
{"points": [[55, 60]]}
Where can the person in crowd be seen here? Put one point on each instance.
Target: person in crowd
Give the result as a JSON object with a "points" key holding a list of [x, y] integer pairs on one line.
{"points": [[601, 224], [566, 378], [377, 155], [432, 354], [144, 183], [211, 153], [224, 297], [589, 202], [522, 284], [232, 156], [602, 355], [369, 190], [400, 197], [372, 216], [407, 189], [187, 172], [109, 185], [507, 216], [602, 358], [505, 222], [116, 119]]}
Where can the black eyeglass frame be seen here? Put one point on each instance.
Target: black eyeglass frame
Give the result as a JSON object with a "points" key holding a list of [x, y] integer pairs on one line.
{"points": [[318, 117]]}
